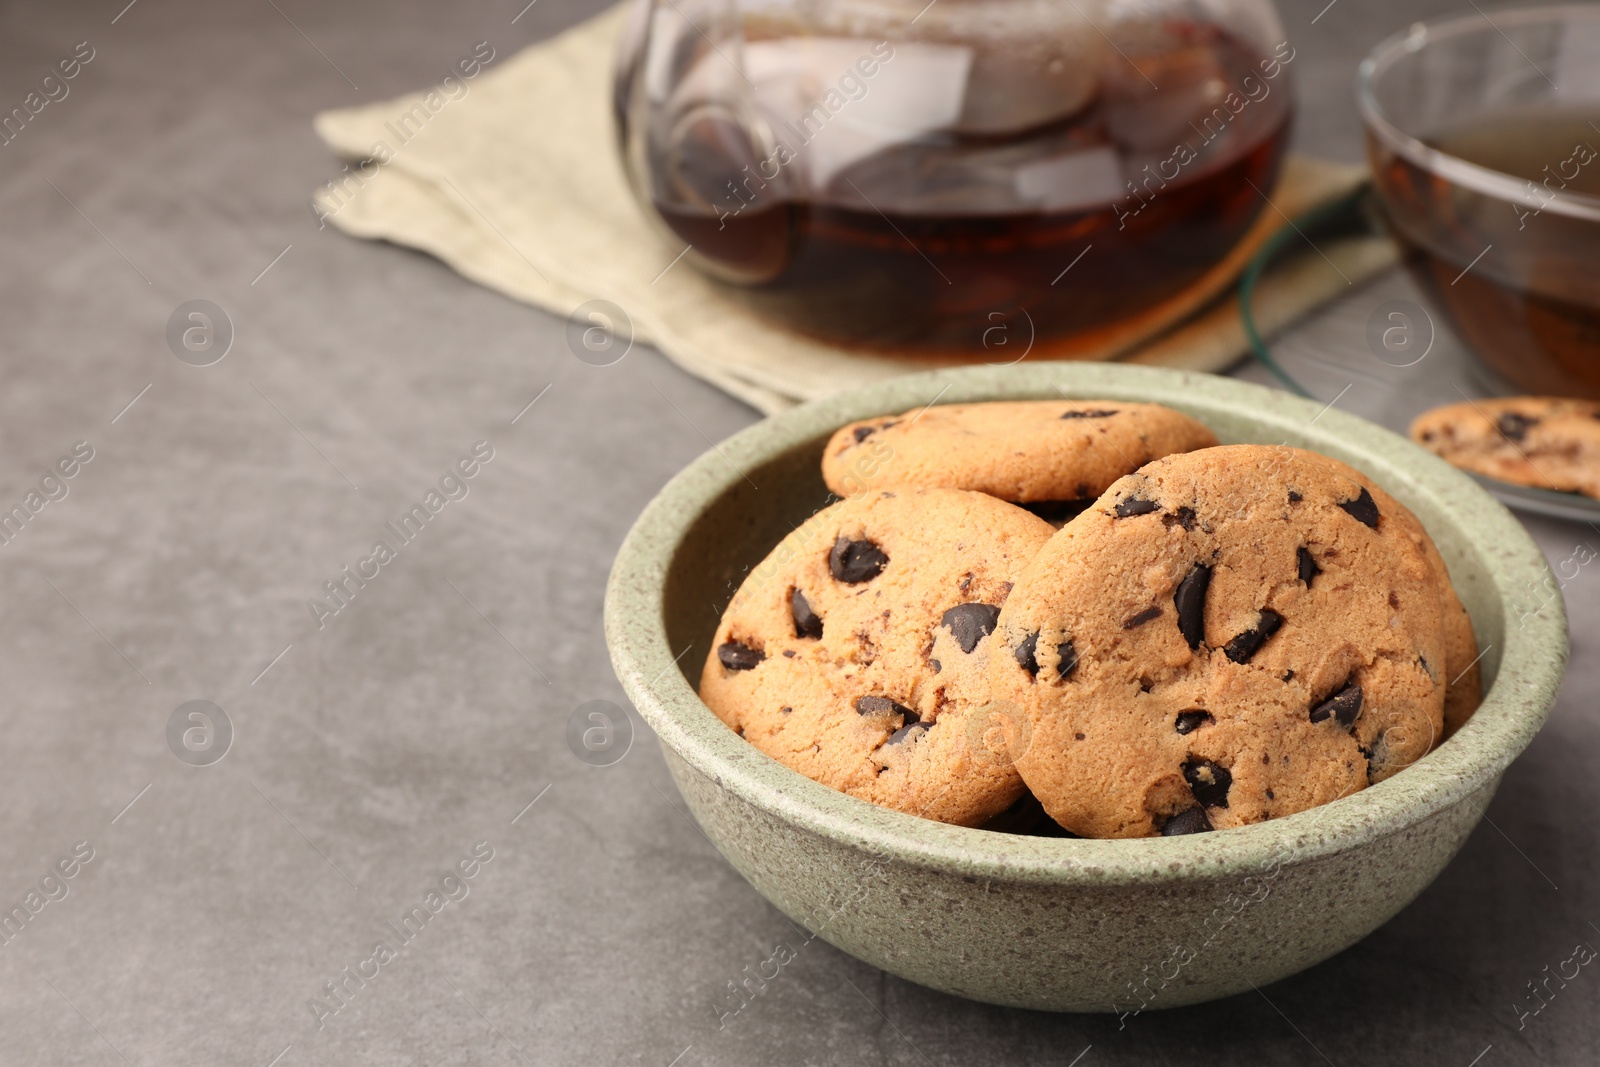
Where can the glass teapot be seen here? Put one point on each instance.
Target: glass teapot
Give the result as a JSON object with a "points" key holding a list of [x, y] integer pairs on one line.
{"points": [[898, 174]]}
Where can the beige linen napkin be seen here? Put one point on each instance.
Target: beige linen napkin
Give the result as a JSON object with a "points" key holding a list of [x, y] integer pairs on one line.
{"points": [[512, 178]]}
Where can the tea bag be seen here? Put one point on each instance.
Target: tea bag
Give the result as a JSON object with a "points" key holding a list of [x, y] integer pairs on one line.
{"points": [[1030, 62], [972, 111], [831, 102]]}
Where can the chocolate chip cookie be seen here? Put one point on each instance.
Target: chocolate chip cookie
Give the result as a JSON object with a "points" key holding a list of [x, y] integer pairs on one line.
{"points": [[1541, 441], [858, 652], [1226, 636], [1050, 456]]}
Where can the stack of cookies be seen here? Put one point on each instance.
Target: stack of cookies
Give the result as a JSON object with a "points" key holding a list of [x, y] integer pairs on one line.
{"points": [[1214, 635]]}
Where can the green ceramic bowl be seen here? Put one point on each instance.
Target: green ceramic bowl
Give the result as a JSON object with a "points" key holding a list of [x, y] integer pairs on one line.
{"points": [[1061, 924]]}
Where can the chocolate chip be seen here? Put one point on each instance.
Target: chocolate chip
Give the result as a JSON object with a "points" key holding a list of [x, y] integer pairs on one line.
{"points": [[861, 433], [854, 562], [1515, 426], [1027, 653], [1182, 517], [907, 732], [1190, 600], [1247, 644], [1027, 656], [969, 623], [1308, 566], [1294, 497], [1135, 505], [788, 653], [807, 623], [884, 706], [1190, 721], [1091, 413], [936, 665], [1344, 705], [739, 657], [1193, 821], [1068, 659], [1057, 510], [786, 711], [1288, 676], [1209, 782], [1135, 621], [1363, 509], [1379, 756], [1080, 737]]}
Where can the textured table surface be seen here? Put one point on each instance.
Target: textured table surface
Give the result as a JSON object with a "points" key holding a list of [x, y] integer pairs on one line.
{"points": [[416, 727]]}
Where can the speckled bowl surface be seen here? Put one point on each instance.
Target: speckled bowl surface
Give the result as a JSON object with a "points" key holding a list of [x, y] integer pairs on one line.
{"points": [[1062, 924]]}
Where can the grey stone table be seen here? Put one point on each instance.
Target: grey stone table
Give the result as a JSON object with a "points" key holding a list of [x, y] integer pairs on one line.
{"points": [[421, 730]]}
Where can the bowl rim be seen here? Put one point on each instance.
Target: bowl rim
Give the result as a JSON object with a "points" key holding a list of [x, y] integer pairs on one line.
{"points": [[1531, 660], [1420, 35]]}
